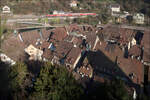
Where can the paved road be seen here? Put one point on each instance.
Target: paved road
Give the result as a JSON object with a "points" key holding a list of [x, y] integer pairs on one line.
{"points": [[33, 18], [26, 18]]}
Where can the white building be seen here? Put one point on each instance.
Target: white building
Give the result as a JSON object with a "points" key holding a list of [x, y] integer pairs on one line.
{"points": [[73, 3], [115, 7], [4, 58], [6, 9], [34, 53], [139, 18], [58, 12]]}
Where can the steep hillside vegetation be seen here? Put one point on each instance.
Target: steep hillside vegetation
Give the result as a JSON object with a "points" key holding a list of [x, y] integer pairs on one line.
{"points": [[47, 6], [142, 6]]}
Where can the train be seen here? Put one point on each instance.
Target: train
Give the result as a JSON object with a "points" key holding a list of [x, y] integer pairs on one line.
{"points": [[71, 14]]}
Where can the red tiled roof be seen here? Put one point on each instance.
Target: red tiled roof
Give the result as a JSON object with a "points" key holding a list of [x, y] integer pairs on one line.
{"points": [[127, 34], [91, 38], [77, 41], [127, 66], [146, 56], [146, 43], [89, 28], [45, 33], [47, 54], [135, 50], [124, 35], [69, 38], [45, 45], [59, 34], [73, 55], [132, 66], [30, 37], [74, 28], [13, 47], [63, 48], [111, 31]]}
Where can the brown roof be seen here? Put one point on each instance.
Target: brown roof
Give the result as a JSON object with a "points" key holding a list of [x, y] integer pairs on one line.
{"points": [[127, 66], [135, 50], [59, 34], [88, 28], [146, 43], [30, 37], [63, 48], [69, 38], [111, 30], [45, 33], [124, 35], [132, 66], [146, 56], [91, 38], [13, 47], [77, 41], [74, 28], [73, 55], [127, 34], [45, 45], [47, 54]]}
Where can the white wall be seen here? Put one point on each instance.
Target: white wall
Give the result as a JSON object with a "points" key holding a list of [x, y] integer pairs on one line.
{"points": [[115, 9]]}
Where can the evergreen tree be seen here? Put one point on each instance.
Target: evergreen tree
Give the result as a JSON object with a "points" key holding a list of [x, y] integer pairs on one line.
{"points": [[17, 77], [55, 83], [117, 91], [114, 90], [4, 81]]}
